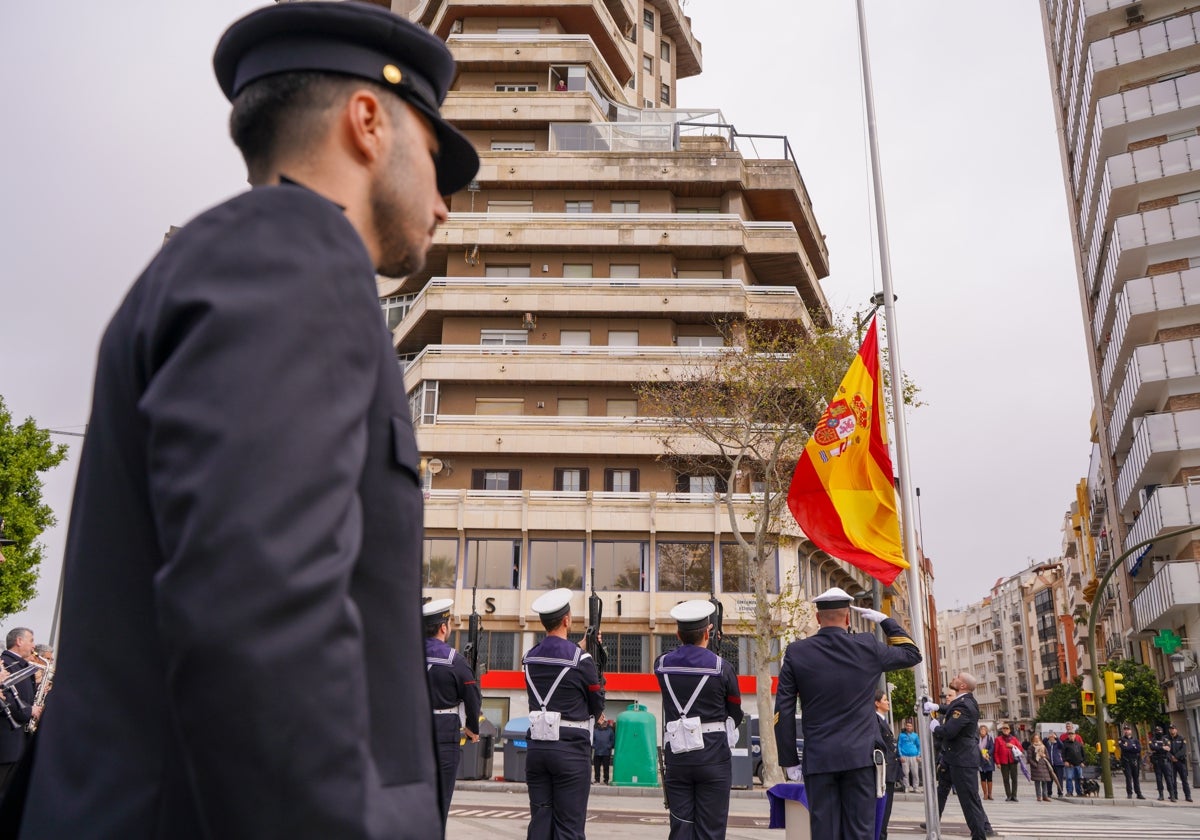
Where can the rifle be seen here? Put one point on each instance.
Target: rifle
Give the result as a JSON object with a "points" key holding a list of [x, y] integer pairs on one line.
{"points": [[717, 636], [474, 629], [662, 772], [591, 636]]}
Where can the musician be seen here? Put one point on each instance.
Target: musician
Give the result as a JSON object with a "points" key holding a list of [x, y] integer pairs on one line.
{"points": [[19, 699], [454, 693]]}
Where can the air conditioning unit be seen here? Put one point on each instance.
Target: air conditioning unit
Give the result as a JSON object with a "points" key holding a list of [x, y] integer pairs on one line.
{"points": [[1134, 14]]}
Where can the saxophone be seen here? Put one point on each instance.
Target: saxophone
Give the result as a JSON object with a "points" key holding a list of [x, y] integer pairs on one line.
{"points": [[39, 699]]}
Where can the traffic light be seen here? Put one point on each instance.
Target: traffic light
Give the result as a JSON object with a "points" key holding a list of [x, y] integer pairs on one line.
{"points": [[1112, 745], [1088, 699], [1114, 681]]}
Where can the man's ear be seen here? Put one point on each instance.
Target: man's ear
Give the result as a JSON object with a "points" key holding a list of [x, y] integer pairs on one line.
{"points": [[366, 124]]}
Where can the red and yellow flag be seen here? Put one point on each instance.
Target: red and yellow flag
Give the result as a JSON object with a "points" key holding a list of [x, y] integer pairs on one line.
{"points": [[842, 493]]}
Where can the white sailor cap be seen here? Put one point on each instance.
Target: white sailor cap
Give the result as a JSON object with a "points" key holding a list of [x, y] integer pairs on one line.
{"points": [[693, 614], [553, 605], [833, 599], [438, 611]]}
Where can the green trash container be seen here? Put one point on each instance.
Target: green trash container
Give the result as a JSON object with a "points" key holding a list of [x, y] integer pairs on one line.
{"points": [[635, 756]]}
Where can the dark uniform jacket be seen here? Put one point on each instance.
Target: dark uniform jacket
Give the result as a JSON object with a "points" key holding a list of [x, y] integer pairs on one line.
{"points": [[891, 755], [247, 522], [579, 695], [603, 740], [834, 675], [720, 698], [1177, 747], [1160, 749], [13, 741], [452, 685], [1131, 749], [960, 731]]}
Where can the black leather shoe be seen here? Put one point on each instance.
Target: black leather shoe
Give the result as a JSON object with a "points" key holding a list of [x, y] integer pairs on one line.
{"points": [[1139, 796]]}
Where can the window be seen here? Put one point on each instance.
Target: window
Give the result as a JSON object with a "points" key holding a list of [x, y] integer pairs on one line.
{"points": [[510, 206], [626, 206], [624, 272], [516, 87], [648, 63], [423, 402], [620, 480], [735, 569], [696, 210], [697, 484], [512, 145], [555, 564], [502, 338], [620, 566], [395, 308], [495, 479], [577, 271], [570, 479], [578, 207], [439, 563], [685, 567], [573, 407], [700, 274], [498, 563], [628, 653], [648, 19], [622, 338], [664, 51], [518, 31], [575, 338], [621, 408], [647, 103], [506, 271], [496, 407], [497, 652], [664, 94], [699, 341]]}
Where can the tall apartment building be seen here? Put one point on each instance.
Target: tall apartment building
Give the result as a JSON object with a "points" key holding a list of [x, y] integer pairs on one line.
{"points": [[1126, 80], [608, 231], [967, 644]]}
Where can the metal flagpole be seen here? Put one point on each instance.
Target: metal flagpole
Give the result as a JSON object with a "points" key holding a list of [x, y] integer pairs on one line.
{"points": [[921, 677]]}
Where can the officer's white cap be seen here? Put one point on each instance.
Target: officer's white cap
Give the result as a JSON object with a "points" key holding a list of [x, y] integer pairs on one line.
{"points": [[833, 599], [437, 611], [554, 604], [693, 614]]}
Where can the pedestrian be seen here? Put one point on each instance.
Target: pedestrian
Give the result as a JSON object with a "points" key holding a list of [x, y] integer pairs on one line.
{"points": [[565, 699], [1007, 759], [702, 705], [1073, 759], [454, 695], [18, 702], [886, 744], [603, 740], [960, 733], [909, 745], [248, 506], [987, 760], [1131, 762], [1054, 753], [834, 675], [1179, 763], [1040, 770], [1160, 758]]}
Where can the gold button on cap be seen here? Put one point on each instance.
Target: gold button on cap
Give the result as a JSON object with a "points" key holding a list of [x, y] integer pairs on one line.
{"points": [[392, 74]]}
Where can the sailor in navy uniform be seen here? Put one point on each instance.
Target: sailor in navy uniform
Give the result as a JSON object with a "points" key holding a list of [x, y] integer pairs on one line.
{"points": [[834, 674], [565, 699], [702, 705], [453, 693]]}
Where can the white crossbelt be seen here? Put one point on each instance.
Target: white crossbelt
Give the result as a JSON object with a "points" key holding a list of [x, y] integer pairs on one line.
{"points": [[453, 710], [717, 726], [576, 724]]}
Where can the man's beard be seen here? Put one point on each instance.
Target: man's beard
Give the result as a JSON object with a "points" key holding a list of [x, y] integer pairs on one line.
{"points": [[398, 257]]}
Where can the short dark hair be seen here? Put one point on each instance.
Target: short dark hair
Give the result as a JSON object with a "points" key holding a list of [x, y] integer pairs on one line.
{"points": [[553, 623], [432, 630], [691, 637], [14, 635], [879, 694]]}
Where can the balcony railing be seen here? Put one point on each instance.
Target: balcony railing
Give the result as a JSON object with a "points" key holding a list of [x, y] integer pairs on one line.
{"points": [[1162, 603], [1159, 435], [1138, 300], [1167, 509], [1147, 373]]}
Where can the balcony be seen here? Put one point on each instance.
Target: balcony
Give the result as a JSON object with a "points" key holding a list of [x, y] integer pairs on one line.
{"points": [[1140, 308], [516, 53], [1167, 509], [471, 109], [1160, 447], [1153, 372], [1166, 600], [547, 435]]}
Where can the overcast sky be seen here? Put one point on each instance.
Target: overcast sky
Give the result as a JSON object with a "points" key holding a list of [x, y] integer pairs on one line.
{"points": [[116, 130]]}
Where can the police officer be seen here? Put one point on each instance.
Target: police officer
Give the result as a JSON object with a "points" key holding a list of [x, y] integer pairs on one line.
{"points": [[565, 697], [1131, 762], [702, 704], [1160, 758], [1179, 763], [453, 693], [834, 675], [960, 737], [248, 505], [886, 744]]}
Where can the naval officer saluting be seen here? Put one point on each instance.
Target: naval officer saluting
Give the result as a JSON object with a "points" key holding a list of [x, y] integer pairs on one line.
{"points": [[834, 674], [454, 694], [701, 706], [565, 697]]}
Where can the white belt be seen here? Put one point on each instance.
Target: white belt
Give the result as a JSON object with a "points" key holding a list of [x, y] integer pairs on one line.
{"points": [[717, 726], [453, 710], [576, 724]]}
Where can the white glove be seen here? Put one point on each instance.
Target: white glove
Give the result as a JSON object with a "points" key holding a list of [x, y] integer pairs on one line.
{"points": [[934, 723], [869, 614], [793, 773], [930, 707]]}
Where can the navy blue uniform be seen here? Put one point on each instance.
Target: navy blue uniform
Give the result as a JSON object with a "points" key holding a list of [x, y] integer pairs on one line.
{"points": [[454, 695], [248, 512], [1160, 757], [1131, 764], [13, 741], [1177, 747], [557, 772], [891, 761], [834, 674], [698, 781], [960, 736]]}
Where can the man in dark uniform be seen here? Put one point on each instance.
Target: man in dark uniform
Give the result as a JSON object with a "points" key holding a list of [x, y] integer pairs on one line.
{"points": [[453, 693], [702, 704], [1131, 762], [960, 737], [248, 507], [565, 698], [1160, 758], [834, 675], [19, 700], [886, 744], [1179, 764]]}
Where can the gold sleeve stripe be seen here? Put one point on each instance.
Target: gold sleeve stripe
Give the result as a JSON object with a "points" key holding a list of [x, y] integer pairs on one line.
{"points": [[901, 640], [776, 720]]}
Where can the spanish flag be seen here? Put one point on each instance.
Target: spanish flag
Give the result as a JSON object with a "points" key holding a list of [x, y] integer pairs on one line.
{"points": [[842, 493]]}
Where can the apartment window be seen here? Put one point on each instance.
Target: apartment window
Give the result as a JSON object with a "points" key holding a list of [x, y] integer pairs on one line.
{"points": [[512, 145], [707, 484], [570, 479], [395, 308], [423, 402], [578, 207], [439, 563], [664, 94], [510, 206], [664, 51], [622, 338], [621, 408], [696, 210], [620, 480], [648, 19], [620, 566], [735, 569], [684, 567], [624, 272], [516, 87], [626, 206], [495, 479], [630, 652], [575, 338], [555, 564], [700, 274], [648, 63], [497, 407], [503, 338], [506, 270], [497, 652], [577, 271], [647, 103], [572, 407], [498, 563], [699, 341]]}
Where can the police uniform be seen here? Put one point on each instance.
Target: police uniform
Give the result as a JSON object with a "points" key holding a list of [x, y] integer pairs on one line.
{"points": [[1160, 758], [1131, 763], [834, 674], [1177, 747], [560, 678], [891, 761], [248, 512], [454, 695], [701, 706], [960, 738]]}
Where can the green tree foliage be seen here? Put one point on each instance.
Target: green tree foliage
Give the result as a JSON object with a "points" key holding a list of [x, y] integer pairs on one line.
{"points": [[25, 452], [1061, 704], [904, 695], [1141, 700]]}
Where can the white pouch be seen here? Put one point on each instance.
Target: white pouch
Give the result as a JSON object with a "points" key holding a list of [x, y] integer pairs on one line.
{"points": [[731, 732], [544, 726], [684, 735]]}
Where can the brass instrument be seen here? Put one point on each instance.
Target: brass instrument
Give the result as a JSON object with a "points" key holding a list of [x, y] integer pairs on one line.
{"points": [[39, 699]]}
